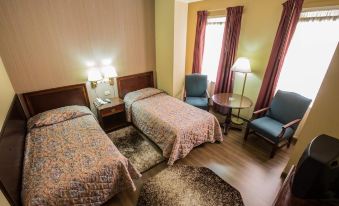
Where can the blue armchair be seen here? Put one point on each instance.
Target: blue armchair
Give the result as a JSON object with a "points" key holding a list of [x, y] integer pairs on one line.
{"points": [[281, 120], [196, 91]]}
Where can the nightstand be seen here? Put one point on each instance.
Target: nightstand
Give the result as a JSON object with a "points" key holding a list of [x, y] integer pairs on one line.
{"points": [[112, 115]]}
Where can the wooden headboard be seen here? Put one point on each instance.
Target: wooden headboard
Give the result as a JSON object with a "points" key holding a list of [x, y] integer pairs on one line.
{"points": [[134, 82], [12, 146], [44, 100]]}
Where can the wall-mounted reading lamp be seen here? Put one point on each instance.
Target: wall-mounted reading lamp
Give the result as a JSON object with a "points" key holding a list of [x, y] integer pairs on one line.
{"points": [[94, 76], [109, 74]]}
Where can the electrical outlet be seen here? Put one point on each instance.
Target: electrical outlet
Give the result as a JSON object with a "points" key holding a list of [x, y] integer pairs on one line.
{"points": [[107, 93]]}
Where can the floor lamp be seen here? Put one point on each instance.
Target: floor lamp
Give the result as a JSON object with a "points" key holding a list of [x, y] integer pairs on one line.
{"points": [[241, 65]]}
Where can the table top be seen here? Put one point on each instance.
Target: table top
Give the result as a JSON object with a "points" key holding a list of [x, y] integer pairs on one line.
{"points": [[230, 100], [115, 101]]}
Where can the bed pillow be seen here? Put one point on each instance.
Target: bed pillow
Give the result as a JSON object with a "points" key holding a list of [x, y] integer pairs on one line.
{"points": [[132, 97], [141, 94], [57, 115]]}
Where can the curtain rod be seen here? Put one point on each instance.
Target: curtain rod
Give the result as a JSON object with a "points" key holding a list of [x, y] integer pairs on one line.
{"points": [[212, 10], [336, 7], [216, 10]]}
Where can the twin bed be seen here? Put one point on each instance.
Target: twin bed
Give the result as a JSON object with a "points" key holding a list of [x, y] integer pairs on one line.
{"points": [[68, 159], [173, 125]]}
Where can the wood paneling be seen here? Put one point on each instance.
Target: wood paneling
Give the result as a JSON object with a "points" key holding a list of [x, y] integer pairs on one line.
{"points": [[44, 100], [134, 82], [46, 43], [246, 166], [12, 146]]}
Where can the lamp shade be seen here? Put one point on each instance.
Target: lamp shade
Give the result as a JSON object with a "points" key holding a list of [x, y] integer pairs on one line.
{"points": [[94, 75], [242, 65], [109, 72]]}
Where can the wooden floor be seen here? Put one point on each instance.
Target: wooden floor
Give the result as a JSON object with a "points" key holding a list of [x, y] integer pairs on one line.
{"points": [[246, 166]]}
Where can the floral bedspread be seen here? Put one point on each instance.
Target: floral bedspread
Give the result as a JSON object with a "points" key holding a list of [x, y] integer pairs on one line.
{"points": [[176, 127], [70, 160]]}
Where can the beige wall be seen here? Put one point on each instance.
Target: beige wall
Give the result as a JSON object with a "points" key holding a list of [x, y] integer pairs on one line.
{"points": [[259, 25], [256, 36], [170, 29], [46, 43], [6, 93], [323, 117], [164, 39], [6, 97], [179, 50], [3, 201]]}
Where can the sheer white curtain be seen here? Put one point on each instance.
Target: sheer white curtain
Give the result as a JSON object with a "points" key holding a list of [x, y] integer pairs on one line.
{"points": [[213, 41], [310, 52]]}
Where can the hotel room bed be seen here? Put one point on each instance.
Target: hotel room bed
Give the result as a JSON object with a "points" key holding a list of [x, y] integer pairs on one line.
{"points": [[70, 160], [173, 125], [60, 156]]}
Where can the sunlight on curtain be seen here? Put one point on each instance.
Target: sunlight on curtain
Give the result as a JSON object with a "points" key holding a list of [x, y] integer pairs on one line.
{"points": [[310, 52], [213, 41]]}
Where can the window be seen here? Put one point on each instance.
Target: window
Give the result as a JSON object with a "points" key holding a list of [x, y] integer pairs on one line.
{"points": [[310, 52], [213, 42]]}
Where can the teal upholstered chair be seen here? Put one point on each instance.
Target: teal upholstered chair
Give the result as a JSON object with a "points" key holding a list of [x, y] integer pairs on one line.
{"points": [[196, 91], [281, 119]]}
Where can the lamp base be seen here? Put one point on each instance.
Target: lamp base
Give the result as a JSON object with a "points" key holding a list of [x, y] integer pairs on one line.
{"points": [[237, 121], [94, 84]]}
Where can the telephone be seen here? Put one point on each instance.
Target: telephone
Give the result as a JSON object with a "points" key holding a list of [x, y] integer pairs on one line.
{"points": [[99, 101]]}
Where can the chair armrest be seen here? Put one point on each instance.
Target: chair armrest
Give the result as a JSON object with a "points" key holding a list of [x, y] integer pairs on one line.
{"points": [[287, 126], [256, 113], [291, 123], [261, 110]]}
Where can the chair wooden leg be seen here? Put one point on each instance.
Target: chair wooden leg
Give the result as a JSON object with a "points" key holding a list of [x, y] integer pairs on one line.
{"points": [[247, 131], [274, 149], [289, 142]]}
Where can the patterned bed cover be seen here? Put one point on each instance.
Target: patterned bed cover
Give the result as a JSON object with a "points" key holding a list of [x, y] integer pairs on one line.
{"points": [[176, 127], [69, 160]]}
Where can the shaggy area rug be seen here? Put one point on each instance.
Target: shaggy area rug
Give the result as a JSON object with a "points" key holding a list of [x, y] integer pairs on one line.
{"points": [[141, 153], [186, 185]]}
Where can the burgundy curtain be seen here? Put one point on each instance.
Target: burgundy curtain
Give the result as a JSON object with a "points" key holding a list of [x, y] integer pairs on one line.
{"points": [[224, 82], [288, 22], [199, 41]]}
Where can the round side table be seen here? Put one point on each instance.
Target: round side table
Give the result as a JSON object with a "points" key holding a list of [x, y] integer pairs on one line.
{"points": [[231, 101]]}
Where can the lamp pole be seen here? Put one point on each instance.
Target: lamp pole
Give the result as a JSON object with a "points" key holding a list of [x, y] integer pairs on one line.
{"points": [[241, 65], [242, 95]]}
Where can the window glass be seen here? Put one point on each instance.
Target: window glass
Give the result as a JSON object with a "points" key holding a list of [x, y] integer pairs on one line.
{"points": [[213, 41], [310, 52]]}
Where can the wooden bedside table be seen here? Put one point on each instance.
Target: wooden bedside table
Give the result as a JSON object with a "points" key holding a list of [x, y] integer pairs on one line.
{"points": [[112, 115]]}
